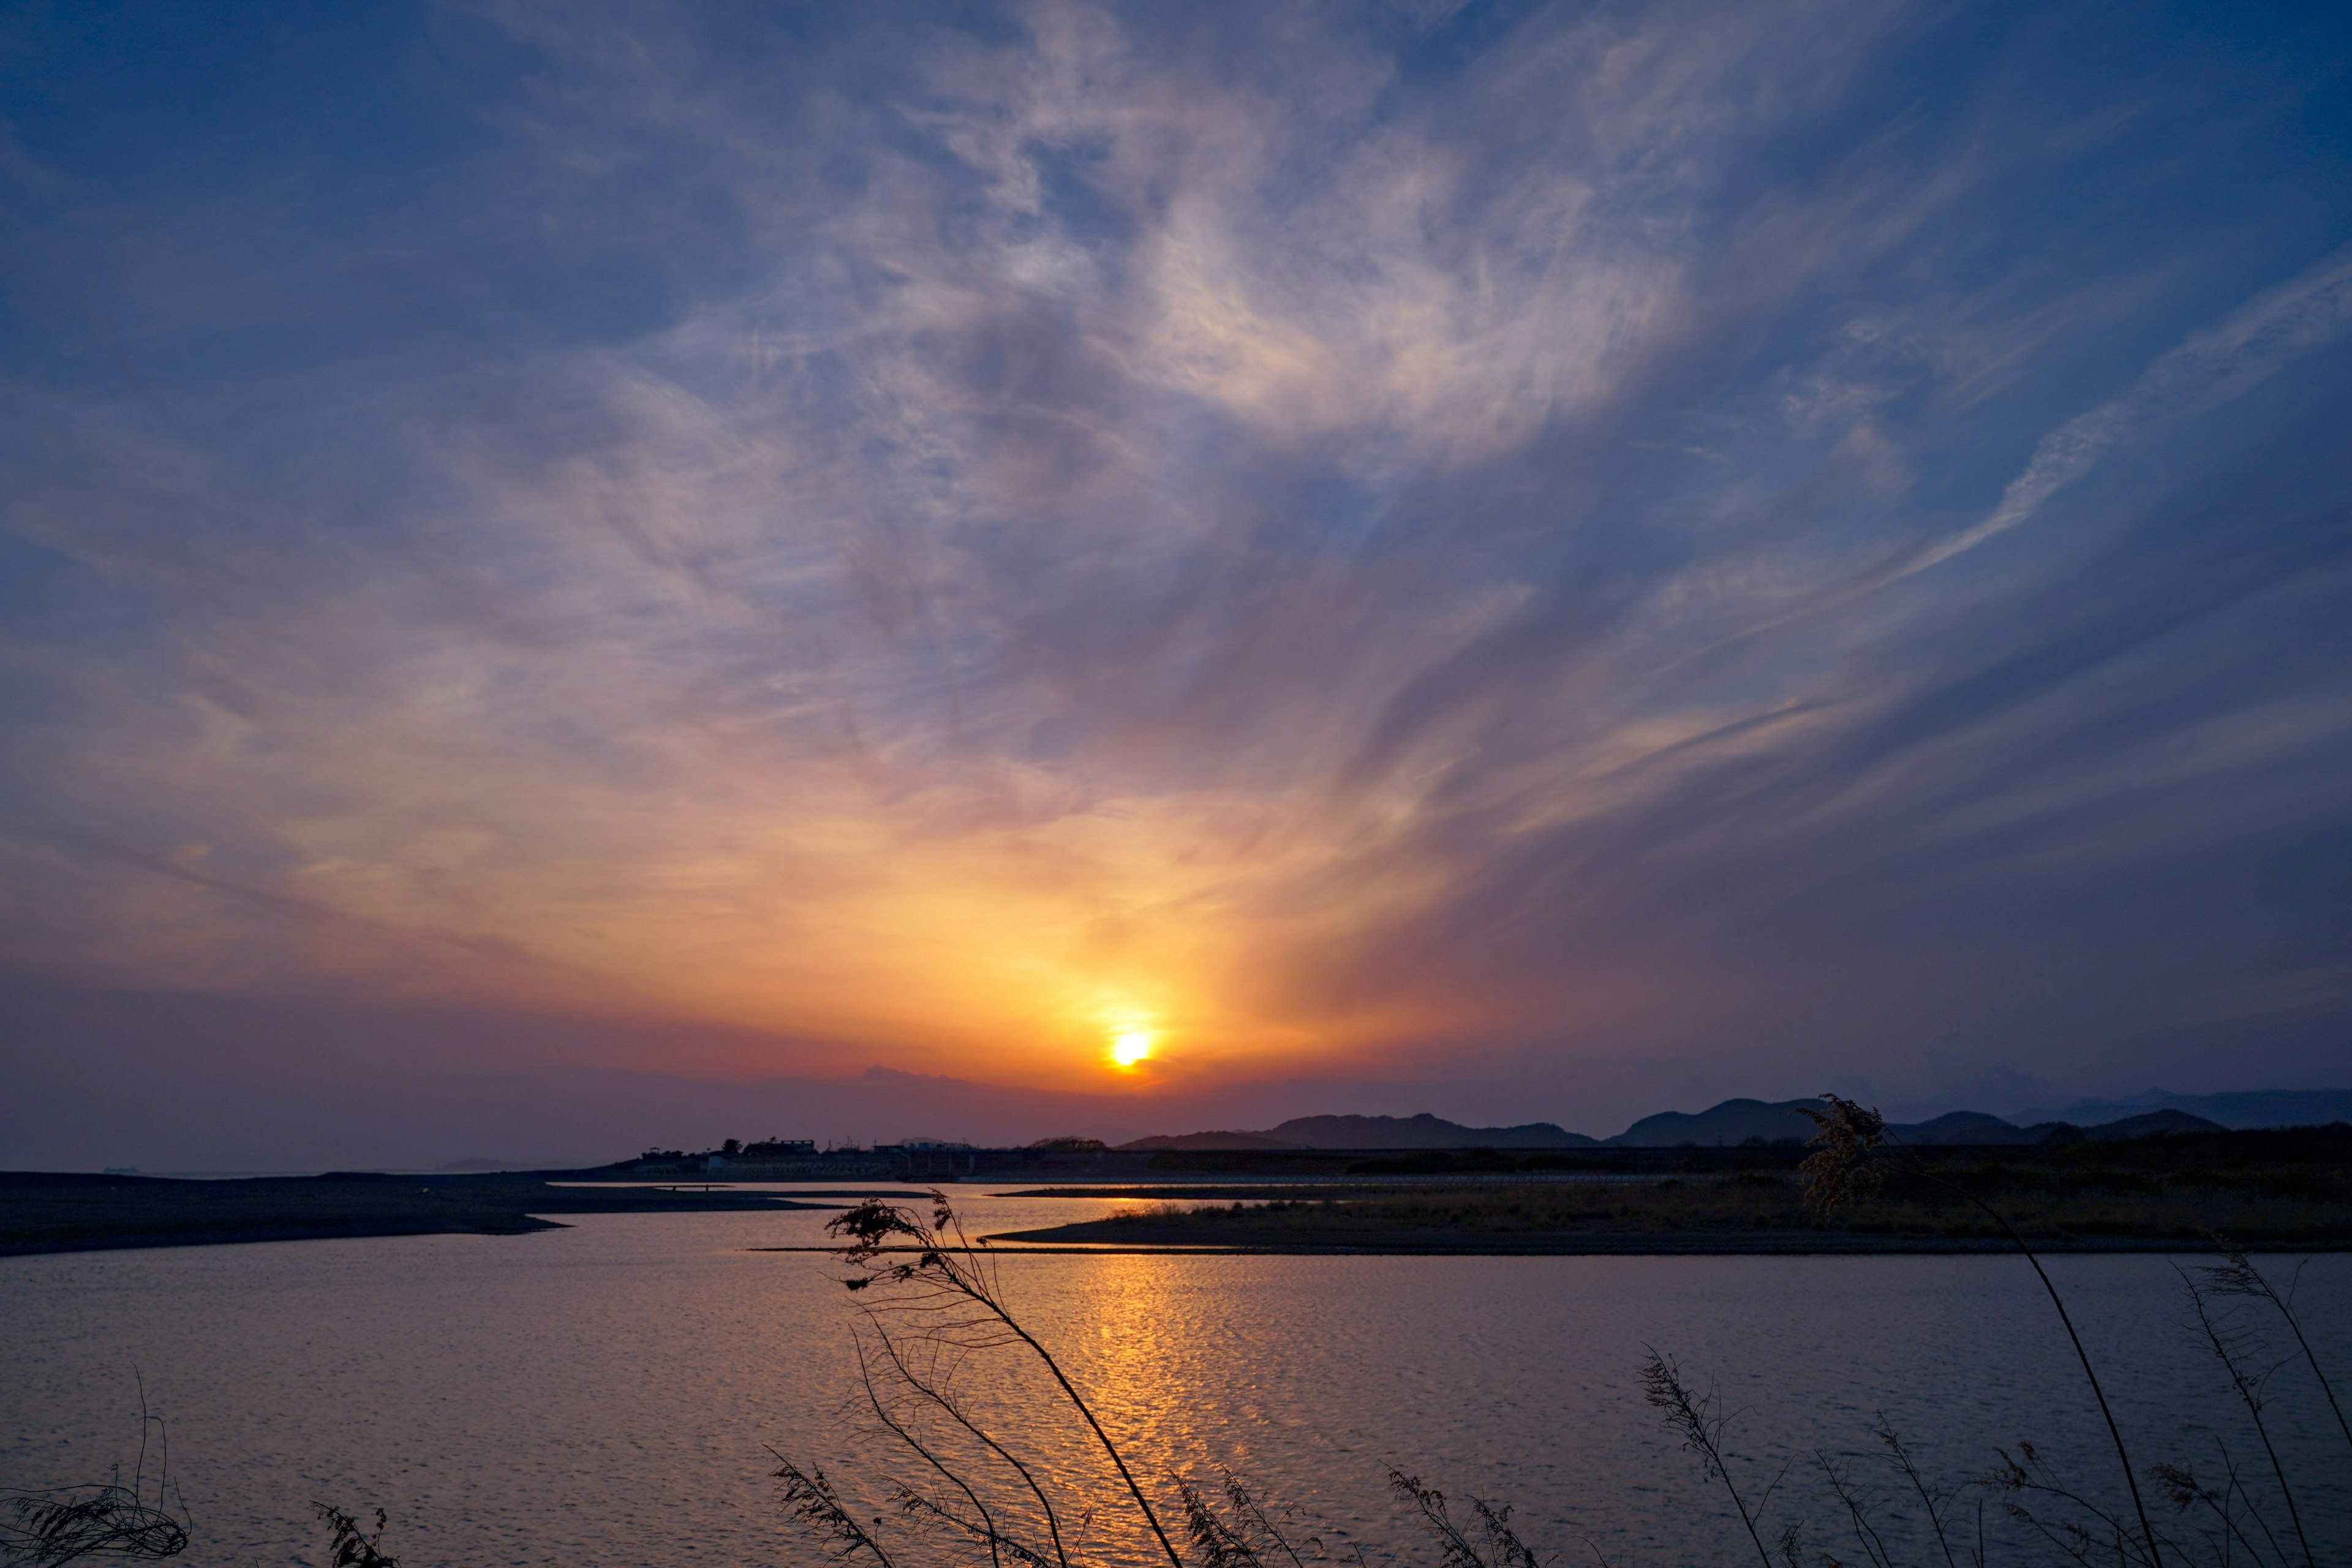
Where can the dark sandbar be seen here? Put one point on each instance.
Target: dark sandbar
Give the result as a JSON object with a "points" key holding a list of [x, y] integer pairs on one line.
{"points": [[44, 1212]]}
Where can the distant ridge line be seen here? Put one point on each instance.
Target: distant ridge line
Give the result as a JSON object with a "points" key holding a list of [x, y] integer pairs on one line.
{"points": [[1735, 1121], [1422, 1131]]}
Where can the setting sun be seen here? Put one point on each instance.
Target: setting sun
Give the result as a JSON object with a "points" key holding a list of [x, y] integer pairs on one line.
{"points": [[1129, 1046]]}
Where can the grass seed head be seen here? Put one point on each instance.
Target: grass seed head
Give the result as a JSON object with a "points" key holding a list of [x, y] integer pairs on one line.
{"points": [[1845, 1167]]}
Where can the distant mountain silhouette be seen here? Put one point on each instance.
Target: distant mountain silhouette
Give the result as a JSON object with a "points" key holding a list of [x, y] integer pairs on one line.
{"points": [[1964, 1127], [1733, 1122], [1423, 1132], [2254, 1108], [1737, 1122], [2151, 1124], [1212, 1140]]}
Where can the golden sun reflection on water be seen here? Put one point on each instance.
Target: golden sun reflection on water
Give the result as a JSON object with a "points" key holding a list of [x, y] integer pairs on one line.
{"points": [[1140, 1333]]}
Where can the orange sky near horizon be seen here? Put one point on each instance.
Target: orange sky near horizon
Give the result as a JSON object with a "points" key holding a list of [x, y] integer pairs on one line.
{"points": [[977, 924]]}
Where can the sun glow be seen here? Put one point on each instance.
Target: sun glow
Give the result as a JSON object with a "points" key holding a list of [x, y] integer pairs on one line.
{"points": [[1129, 1046]]}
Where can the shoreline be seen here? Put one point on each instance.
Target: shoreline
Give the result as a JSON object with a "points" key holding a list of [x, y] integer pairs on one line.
{"points": [[1051, 1242], [239, 1235], [45, 1214]]}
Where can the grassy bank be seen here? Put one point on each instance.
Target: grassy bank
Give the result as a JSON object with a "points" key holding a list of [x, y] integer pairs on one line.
{"points": [[2271, 1190]]}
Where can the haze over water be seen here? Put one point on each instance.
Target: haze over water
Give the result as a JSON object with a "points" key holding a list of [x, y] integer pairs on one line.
{"points": [[604, 1394]]}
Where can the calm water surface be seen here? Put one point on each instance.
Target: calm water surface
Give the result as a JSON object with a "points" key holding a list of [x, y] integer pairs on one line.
{"points": [[608, 1394]]}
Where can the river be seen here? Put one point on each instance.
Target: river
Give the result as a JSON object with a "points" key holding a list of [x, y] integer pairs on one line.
{"points": [[608, 1394]]}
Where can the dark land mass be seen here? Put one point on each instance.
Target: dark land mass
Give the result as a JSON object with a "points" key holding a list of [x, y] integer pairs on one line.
{"points": [[1271, 1192], [1311, 1146], [2284, 1190], [2238, 1109], [1423, 1132], [1744, 1121], [1565, 1244], [45, 1212], [1735, 1121]]}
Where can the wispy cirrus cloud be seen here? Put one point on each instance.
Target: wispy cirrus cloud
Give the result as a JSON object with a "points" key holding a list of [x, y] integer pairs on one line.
{"points": [[2220, 363], [935, 535]]}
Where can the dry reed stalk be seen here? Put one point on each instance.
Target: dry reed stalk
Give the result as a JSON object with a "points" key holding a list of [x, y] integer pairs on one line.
{"points": [[1850, 1152]]}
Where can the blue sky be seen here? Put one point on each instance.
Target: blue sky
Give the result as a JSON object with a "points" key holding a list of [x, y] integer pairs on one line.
{"points": [[1515, 560]]}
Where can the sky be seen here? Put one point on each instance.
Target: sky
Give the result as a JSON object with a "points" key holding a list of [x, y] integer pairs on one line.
{"points": [[1524, 561]]}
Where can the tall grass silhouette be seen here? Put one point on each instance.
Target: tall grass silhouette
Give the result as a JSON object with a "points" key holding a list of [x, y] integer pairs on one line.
{"points": [[58, 1525]]}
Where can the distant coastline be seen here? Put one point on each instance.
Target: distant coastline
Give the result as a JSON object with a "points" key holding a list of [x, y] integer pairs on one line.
{"points": [[1078, 1240], [1747, 1122], [43, 1213], [2271, 1191]]}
